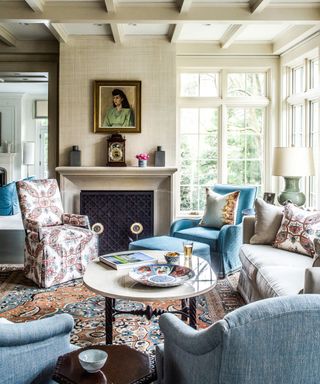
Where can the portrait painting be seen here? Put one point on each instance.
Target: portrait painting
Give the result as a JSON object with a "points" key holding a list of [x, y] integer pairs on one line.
{"points": [[117, 106]]}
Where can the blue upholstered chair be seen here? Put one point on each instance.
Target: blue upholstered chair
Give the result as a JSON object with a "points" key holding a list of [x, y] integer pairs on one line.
{"points": [[29, 351], [225, 242], [272, 341]]}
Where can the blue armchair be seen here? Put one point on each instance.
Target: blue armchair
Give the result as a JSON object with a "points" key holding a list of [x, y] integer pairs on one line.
{"points": [[29, 351], [272, 341], [225, 242]]}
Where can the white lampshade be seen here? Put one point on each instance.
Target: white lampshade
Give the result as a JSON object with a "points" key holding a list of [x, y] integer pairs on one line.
{"points": [[28, 153], [293, 161]]}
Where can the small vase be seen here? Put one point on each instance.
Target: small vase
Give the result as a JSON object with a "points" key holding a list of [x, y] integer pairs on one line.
{"points": [[142, 163]]}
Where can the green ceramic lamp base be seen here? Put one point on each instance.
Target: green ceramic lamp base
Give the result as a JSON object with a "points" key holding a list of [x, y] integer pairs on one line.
{"points": [[292, 192]]}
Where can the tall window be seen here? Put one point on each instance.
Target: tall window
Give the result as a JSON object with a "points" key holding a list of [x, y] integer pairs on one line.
{"points": [[222, 124]]}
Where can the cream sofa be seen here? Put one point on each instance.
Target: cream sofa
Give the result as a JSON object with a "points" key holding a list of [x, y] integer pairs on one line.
{"points": [[271, 272]]}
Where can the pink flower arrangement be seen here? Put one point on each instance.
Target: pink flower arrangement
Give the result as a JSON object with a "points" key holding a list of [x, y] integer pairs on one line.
{"points": [[142, 156]]}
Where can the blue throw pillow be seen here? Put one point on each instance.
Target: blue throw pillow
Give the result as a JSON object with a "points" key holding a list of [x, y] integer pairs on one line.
{"points": [[8, 200]]}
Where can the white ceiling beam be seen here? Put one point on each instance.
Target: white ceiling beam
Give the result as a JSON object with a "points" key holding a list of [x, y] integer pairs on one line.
{"points": [[7, 37], [175, 33], [58, 32], [117, 33], [184, 5], [91, 13], [111, 5], [230, 35], [292, 37], [257, 6], [36, 5]]}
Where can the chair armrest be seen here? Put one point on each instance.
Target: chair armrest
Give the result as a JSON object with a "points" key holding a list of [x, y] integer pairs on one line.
{"points": [[33, 229], [230, 238], [312, 280], [248, 228], [192, 341], [160, 362], [76, 220], [181, 224]]}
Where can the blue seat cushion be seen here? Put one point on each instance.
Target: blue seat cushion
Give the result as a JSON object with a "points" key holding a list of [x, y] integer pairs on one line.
{"points": [[167, 243], [9, 204], [201, 234]]}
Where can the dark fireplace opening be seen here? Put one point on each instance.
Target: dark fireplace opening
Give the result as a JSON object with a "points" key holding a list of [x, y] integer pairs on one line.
{"points": [[113, 212], [3, 176]]}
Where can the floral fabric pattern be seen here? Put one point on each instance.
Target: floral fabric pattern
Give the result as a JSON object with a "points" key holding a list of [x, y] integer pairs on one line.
{"points": [[53, 254], [76, 220], [298, 230]]}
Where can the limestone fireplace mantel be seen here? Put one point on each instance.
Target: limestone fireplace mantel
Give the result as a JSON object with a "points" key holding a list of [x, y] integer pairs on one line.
{"points": [[160, 180]]}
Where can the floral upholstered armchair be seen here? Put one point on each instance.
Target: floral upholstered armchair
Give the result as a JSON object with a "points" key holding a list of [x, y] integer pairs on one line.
{"points": [[58, 246]]}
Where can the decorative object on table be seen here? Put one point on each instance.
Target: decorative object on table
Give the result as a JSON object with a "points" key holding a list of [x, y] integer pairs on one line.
{"points": [[172, 257], [116, 151], [142, 159], [161, 275], [159, 157], [269, 197], [127, 260], [136, 229], [292, 163], [75, 156], [92, 360], [97, 228], [117, 106], [28, 154]]}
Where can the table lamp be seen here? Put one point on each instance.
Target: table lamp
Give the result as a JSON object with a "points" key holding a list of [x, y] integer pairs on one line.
{"points": [[28, 154], [292, 163]]}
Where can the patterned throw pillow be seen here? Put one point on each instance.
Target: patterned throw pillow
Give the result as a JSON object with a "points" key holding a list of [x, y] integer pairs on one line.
{"points": [[298, 230], [220, 209]]}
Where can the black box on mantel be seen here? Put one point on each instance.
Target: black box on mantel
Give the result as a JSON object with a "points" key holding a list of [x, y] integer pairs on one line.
{"points": [[160, 157], [75, 157]]}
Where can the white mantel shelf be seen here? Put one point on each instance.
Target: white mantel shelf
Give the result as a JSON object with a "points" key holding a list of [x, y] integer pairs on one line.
{"points": [[117, 171]]}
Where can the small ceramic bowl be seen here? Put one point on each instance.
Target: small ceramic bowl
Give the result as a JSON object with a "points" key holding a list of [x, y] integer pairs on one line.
{"points": [[92, 360], [172, 257]]}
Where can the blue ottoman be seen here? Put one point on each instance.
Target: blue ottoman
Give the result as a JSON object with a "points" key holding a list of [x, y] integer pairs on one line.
{"points": [[167, 243]]}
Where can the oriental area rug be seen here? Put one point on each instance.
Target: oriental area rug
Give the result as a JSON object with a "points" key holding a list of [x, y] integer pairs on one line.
{"points": [[21, 300]]}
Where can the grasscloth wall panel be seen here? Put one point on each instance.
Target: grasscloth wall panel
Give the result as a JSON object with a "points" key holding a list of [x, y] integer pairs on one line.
{"points": [[84, 60]]}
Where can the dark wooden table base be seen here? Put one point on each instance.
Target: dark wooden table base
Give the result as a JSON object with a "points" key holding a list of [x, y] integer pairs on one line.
{"points": [[188, 310]]}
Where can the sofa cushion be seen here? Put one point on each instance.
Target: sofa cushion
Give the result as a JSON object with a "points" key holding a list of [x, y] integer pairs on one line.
{"points": [[273, 281], [254, 257], [298, 230], [220, 209], [268, 221], [201, 234], [9, 200]]}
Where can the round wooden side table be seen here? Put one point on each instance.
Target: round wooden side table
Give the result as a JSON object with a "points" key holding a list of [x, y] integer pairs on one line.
{"points": [[124, 366]]}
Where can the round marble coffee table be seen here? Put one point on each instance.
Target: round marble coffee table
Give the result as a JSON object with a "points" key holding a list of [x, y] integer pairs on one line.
{"points": [[116, 284]]}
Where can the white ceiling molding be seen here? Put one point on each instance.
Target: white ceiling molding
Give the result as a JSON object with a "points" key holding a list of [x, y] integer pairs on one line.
{"points": [[230, 35], [111, 5], [7, 37], [58, 32], [175, 33], [36, 5], [184, 5], [292, 37], [117, 33], [257, 6]]}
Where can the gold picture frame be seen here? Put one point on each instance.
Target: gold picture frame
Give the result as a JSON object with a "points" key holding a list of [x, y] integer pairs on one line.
{"points": [[117, 106]]}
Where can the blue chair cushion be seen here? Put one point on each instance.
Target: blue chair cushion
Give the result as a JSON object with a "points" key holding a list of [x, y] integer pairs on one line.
{"points": [[9, 204], [167, 243], [200, 234]]}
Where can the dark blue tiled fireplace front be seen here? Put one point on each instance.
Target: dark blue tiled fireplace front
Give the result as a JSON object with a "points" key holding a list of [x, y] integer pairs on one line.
{"points": [[116, 211]]}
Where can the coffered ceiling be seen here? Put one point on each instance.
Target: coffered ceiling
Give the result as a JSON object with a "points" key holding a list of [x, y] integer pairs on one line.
{"points": [[281, 24]]}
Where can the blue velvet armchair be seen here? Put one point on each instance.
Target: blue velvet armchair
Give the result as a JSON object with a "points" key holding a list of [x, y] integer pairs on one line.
{"points": [[29, 351], [272, 341], [225, 242]]}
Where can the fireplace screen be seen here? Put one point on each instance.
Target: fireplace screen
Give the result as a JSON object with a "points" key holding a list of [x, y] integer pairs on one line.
{"points": [[115, 213]]}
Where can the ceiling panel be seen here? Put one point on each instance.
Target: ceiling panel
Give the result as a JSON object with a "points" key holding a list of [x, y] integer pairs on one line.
{"points": [[87, 29], [25, 31], [195, 31], [145, 29], [145, 1], [257, 32]]}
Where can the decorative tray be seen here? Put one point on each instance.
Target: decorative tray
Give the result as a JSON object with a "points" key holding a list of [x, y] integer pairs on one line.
{"points": [[161, 275]]}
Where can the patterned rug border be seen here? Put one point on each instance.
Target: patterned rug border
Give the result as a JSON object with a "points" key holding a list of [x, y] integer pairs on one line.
{"points": [[10, 267]]}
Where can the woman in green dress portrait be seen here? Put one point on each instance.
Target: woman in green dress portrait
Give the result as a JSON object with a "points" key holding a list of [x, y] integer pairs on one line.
{"points": [[120, 114]]}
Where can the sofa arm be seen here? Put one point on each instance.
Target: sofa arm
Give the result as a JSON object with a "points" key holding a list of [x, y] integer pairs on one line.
{"points": [[312, 280], [181, 224], [76, 220], [248, 228]]}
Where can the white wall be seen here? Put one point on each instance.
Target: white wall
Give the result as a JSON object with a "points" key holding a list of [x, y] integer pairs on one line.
{"points": [[84, 60]]}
